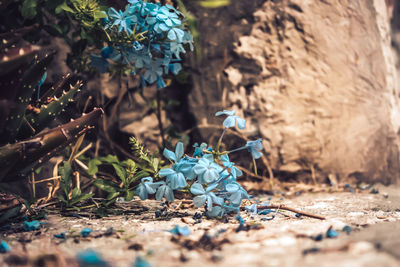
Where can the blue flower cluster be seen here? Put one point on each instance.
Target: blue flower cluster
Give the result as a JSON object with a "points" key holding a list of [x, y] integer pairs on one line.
{"points": [[150, 37], [209, 175]]}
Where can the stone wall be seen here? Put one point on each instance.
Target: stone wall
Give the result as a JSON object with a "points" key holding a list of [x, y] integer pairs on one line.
{"points": [[316, 80]]}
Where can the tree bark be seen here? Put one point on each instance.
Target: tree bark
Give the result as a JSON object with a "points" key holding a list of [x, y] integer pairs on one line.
{"points": [[315, 79]]}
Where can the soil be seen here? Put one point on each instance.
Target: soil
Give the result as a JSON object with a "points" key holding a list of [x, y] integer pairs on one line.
{"points": [[276, 239]]}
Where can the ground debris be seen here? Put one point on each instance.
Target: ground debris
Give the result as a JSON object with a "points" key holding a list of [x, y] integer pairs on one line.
{"points": [[205, 242]]}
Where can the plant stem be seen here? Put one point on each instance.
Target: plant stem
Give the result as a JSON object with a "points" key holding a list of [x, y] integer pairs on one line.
{"points": [[220, 140], [255, 166], [81, 208], [237, 149], [158, 113], [283, 207]]}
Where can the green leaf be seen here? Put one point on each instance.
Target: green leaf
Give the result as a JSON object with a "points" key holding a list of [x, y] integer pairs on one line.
{"points": [[99, 15], [109, 159], [61, 198], [156, 162], [92, 166], [121, 172], [106, 185], [80, 199], [28, 9], [129, 164], [64, 7], [66, 172], [129, 195], [76, 193], [112, 195], [38, 170]]}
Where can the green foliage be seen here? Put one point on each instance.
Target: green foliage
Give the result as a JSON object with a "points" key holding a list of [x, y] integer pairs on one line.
{"points": [[149, 163], [127, 173], [70, 196]]}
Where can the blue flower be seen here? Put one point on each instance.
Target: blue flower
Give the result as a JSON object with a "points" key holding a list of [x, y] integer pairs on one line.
{"points": [[153, 71], [176, 34], [207, 170], [237, 193], [232, 119], [175, 157], [185, 166], [146, 187], [168, 16], [4, 247], [124, 20], [203, 196], [150, 9], [254, 148], [175, 179], [198, 150], [234, 171], [164, 191], [176, 48]]}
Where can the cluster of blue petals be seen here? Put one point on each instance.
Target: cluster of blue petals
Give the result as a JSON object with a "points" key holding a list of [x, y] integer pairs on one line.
{"points": [[212, 181], [156, 52]]}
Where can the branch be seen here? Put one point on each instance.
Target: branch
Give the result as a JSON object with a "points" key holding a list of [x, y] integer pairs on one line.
{"points": [[283, 207]]}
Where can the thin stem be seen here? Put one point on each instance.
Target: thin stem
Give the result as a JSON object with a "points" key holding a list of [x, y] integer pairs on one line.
{"points": [[283, 207], [255, 166], [237, 149], [220, 140], [81, 208], [158, 113]]}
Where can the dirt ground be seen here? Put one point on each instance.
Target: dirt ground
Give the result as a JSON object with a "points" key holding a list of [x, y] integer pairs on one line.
{"points": [[276, 239]]}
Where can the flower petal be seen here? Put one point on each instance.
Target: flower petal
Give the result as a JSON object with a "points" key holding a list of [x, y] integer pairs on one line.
{"points": [[166, 172], [225, 112], [179, 151], [197, 189], [241, 123], [229, 122], [199, 201]]}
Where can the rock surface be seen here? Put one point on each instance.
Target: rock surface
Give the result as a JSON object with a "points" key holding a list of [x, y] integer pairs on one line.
{"points": [[316, 80]]}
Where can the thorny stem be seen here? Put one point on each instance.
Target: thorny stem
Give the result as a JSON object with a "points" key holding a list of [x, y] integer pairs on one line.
{"points": [[160, 125], [283, 207]]}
